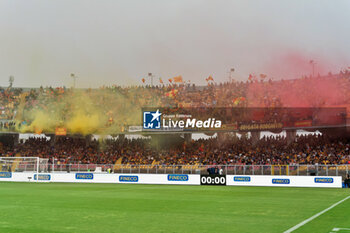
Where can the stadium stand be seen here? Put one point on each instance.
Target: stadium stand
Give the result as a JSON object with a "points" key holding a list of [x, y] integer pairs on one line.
{"points": [[312, 149], [58, 107]]}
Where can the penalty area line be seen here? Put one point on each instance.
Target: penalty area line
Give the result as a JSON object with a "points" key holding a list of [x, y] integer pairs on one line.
{"points": [[315, 216]]}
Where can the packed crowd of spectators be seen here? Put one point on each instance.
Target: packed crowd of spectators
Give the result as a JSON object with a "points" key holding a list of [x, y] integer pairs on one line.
{"points": [[9, 101], [231, 151], [19, 105]]}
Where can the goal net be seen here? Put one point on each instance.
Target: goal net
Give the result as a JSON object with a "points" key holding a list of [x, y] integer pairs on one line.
{"points": [[23, 164]]}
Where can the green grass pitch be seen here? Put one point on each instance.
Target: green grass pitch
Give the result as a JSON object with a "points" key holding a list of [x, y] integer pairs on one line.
{"points": [[63, 207]]}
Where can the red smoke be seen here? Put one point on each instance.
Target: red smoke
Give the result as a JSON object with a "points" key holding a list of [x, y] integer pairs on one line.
{"points": [[293, 65], [305, 92], [299, 89]]}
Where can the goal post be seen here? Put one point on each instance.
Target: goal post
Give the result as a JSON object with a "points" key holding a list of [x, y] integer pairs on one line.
{"points": [[24, 164]]}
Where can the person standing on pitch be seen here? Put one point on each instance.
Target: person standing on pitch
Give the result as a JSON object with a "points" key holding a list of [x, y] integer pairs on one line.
{"points": [[347, 181]]}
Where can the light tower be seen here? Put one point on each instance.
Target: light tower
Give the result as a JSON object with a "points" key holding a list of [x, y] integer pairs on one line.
{"points": [[230, 73], [11, 80], [150, 75], [313, 63], [74, 79]]}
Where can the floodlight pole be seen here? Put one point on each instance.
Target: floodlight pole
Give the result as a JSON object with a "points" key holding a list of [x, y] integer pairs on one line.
{"points": [[151, 76], [231, 71], [313, 63], [74, 79], [11, 79]]}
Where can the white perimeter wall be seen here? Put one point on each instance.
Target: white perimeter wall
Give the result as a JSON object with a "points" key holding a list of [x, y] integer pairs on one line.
{"points": [[231, 180], [89, 177], [285, 181]]}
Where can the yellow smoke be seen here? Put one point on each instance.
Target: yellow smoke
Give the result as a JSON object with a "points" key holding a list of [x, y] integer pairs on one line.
{"points": [[42, 122], [84, 124], [98, 111]]}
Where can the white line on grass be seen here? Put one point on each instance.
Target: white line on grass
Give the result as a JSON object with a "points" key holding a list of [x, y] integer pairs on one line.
{"points": [[341, 229], [315, 216]]}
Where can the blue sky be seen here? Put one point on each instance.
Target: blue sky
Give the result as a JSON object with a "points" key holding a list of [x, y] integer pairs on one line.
{"points": [[119, 42]]}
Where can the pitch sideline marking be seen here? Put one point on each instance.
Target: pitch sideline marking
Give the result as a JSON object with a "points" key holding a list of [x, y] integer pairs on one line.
{"points": [[315, 216], [341, 229]]}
